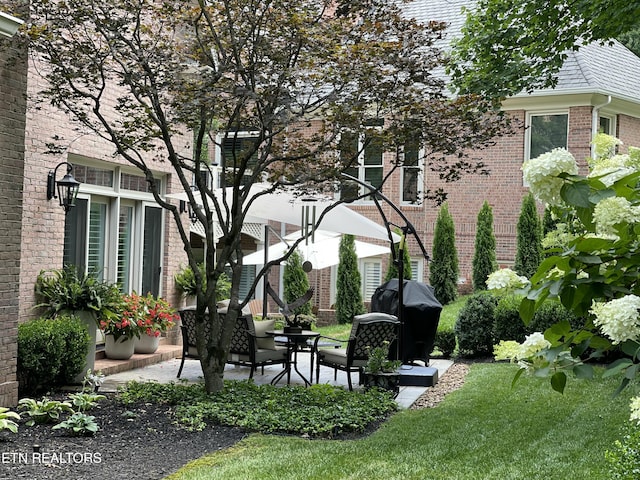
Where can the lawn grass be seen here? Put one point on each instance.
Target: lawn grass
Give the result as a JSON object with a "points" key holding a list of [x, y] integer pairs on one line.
{"points": [[486, 430]]}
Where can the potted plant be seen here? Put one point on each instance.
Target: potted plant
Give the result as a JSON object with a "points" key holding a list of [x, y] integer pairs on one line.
{"points": [[84, 295], [158, 317], [121, 330], [185, 281], [379, 371]]}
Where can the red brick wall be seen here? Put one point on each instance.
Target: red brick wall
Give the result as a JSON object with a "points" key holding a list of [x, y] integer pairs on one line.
{"points": [[13, 82]]}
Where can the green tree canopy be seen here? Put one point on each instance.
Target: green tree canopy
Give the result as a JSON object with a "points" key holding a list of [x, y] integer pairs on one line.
{"points": [[512, 45]]}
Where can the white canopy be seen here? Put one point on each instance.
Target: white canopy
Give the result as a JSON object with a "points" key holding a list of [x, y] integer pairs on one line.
{"points": [[286, 207], [322, 253]]}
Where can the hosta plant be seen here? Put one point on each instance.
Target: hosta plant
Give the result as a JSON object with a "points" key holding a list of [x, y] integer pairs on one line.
{"points": [[84, 401], [78, 425], [43, 411], [6, 422]]}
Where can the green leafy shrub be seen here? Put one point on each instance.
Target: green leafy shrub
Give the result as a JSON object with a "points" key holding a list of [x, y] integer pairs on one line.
{"points": [[51, 352], [624, 457], [84, 401], [474, 326], [484, 256], [348, 294], [186, 283], [445, 342], [507, 322], [551, 312], [320, 410], [529, 239]]}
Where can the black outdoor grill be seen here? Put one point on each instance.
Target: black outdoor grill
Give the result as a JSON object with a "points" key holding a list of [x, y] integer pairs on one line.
{"points": [[420, 317]]}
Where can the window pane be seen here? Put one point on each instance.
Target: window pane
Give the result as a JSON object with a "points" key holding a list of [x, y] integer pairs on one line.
{"points": [[151, 259], [410, 177], [124, 247], [93, 175], [373, 151], [97, 237], [373, 176], [237, 152], [605, 125], [246, 279], [548, 132], [75, 230], [371, 278], [134, 182]]}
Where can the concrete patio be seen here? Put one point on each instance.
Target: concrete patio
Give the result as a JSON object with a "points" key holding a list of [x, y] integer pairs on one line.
{"points": [[118, 373]]}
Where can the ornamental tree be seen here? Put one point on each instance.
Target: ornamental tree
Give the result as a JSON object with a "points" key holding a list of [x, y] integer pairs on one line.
{"points": [[443, 270], [169, 81], [348, 289], [484, 256], [529, 238]]}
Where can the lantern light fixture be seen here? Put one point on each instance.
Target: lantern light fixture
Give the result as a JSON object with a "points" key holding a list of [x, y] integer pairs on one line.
{"points": [[67, 187]]}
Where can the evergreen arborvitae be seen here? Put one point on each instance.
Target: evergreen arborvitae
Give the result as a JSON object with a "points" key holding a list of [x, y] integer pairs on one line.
{"points": [[529, 246], [484, 257], [549, 223], [296, 283], [392, 272], [444, 260], [348, 294]]}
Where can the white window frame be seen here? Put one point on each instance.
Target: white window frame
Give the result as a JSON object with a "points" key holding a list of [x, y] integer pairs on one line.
{"points": [[420, 179], [368, 288], [612, 123], [362, 168], [527, 131], [417, 269]]}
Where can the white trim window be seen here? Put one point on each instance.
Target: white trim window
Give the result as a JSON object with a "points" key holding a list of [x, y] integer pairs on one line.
{"points": [[417, 267], [607, 124], [116, 228], [546, 131], [371, 276], [369, 169], [412, 178]]}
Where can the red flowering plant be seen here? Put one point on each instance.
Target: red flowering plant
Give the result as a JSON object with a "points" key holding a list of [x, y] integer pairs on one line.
{"points": [[125, 322], [158, 317]]}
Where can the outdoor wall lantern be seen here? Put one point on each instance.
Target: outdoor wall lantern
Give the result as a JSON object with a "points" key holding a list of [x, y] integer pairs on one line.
{"points": [[67, 187]]}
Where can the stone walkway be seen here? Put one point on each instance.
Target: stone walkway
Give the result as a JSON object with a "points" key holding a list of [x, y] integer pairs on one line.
{"points": [[166, 371]]}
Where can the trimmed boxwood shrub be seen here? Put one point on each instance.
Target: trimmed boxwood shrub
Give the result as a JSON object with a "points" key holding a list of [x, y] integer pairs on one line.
{"points": [[51, 352], [550, 313], [507, 323], [474, 325], [445, 342]]}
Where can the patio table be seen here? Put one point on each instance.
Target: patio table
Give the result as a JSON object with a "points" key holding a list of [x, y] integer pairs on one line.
{"points": [[295, 341]]}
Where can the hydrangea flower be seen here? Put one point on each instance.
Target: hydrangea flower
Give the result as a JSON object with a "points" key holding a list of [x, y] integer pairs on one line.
{"points": [[505, 279], [610, 170], [541, 174], [618, 318], [605, 145], [612, 211], [532, 345]]}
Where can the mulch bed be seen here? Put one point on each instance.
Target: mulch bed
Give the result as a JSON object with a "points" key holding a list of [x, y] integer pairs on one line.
{"points": [[140, 442]]}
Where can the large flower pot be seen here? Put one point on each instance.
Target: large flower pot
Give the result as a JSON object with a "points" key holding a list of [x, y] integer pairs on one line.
{"points": [[88, 317], [122, 349], [147, 343]]}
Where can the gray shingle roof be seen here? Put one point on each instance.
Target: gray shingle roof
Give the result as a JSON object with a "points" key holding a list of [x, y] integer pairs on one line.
{"points": [[594, 68]]}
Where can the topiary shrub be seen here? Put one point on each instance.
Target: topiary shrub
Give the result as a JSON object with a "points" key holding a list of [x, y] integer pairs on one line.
{"points": [[507, 324], [445, 342], [550, 313], [51, 352], [474, 325]]}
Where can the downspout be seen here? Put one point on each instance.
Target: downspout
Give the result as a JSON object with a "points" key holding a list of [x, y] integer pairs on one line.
{"points": [[594, 123]]}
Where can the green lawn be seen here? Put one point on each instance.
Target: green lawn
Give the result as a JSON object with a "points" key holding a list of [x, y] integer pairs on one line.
{"points": [[486, 430]]}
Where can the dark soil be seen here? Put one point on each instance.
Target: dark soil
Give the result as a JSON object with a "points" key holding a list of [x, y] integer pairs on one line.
{"points": [[138, 442]]}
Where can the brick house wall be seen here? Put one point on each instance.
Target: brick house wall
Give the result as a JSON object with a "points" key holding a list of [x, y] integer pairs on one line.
{"points": [[43, 220], [13, 82]]}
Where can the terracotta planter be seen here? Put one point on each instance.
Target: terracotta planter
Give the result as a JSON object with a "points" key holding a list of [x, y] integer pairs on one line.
{"points": [[147, 343], [119, 350]]}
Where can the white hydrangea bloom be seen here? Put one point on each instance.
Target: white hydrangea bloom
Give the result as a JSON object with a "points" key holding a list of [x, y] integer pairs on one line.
{"points": [[618, 318], [505, 279], [533, 344], [635, 409], [541, 174], [610, 170], [605, 145], [612, 211], [506, 350]]}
